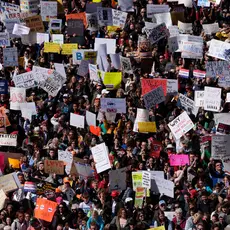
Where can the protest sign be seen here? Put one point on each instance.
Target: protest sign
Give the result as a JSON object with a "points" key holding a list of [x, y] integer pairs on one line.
{"points": [[58, 38], [126, 65], [54, 166], [157, 33], [173, 31], [187, 3], [35, 23], [24, 80], [220, 146], [156, 9], [113, 105], [28, 109], [219, 49], [92, 21], [119, 18], [4, 39], [77, 120], [199, 73], [203, 3], [59, 67], [75, 26], [67, 49], [48, 10], [2, 128], [187, 104], [160, 227], [117, 179], [29, 6], [179, 160], [172, 87], [115, 60], [104, 16], [147, 127], [20, 29], [55, 26], [142, 116], [78, 55], [83, 68], [162, 186], [65, 156], [8, 140], [217, 68], [2, 199], [7, 182], [156, 147], [126, 5], [187, 38], [193, 50], [141, 179], [42, 37], [17, 96], [228, 97], [185, 28], [45, 209], [10, 7], [112, 80], [223, 128], [3, 87], [180, 125], [212, 99], [90, 56], [93, 73], [9, 24], [10, 56], [159, 174], [154, 97], [84, 170], [148, 85], [199, 98], [110, 44], [163, 18], [80, 16], [210, 28], [50, 47], [90, 118], [173, 44], [92, 7], [101, 158], [14, 163], [184, 73]]}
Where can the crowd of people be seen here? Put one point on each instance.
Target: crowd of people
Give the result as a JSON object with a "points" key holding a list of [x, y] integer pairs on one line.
{"points": [[201, 193]]}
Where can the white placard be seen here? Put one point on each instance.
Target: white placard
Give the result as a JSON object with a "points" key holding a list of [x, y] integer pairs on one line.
{"points": [[204, 3], [159, 174], [185, 28], [65, 156], [212, 99], [220, 146], [48, 10], [126, 65], [119, 18], [90, 118], [28, 108], [180, 125], [101, 157], [58, 38], [17, 96], [83, 68], [113, 105], [42, 37], [104, 16], [172, 86], [59, 67], [146, 179], [77, 120], [20, 29], [126, 5], [24, 80], [210, 28], [228, 97], [192, 50], [163, 18], [156, 9], [199, 98], [173, 31], [187, 3], [115, 60], [110, 44], [92, 21], [142, 115], [8, 140], [188, 104]]}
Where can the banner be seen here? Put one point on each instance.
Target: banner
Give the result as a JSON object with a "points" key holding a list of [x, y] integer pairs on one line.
{"points": [[101, 158], [24, 80], [104, 16], [45, 209], [35, 23], [67, 49], [180, 125], [54, 166], [147, 127], [154, 97], [212, 99], [48, 10], [10, 56], [75, 26], [113, 105], [4, 39], [220, 146], [179, 160], [119, 18]]}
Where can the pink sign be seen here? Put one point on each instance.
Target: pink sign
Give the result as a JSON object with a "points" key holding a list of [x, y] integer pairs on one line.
{"points": [[178, 160]]}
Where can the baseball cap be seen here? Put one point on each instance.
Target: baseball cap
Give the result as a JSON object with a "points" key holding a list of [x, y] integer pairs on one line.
{"points": [[162, 202]]}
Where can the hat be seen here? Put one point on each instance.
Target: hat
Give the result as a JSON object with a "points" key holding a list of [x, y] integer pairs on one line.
{"points": [[128, 199], [170, 146], [66, 180], [39, 163], [104, 91], [65, 95], [115, 193], [162, 202]]}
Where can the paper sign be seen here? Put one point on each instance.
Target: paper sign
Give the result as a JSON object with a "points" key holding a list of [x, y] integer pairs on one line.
{"points": [[110, 44], [113, 105], [220, 146], [142, 116], [154, 97], [10, 56], [42, 37], [187, 104], [54, 166], [147, 127], [104, 16], [210, 28], [55, 26], [126, 5], [66, 157], [8, 140], [126, 65], [3, 87], [93, 73], [3, 198], [92, 21], [199, 98], [223, 128], [77, 120], [157, 33], [148, 85], [228, 97], [20, 29], [15, 163], [185, 28], [75, 26], [178, 160], [180, 125], [84, 170], [217, 68], [119, 18], [35, 23], [59, 67], [212, 99], [101, 158], [83, 68], [156, 9], [67, 49], [112, 80], [7, 183], [193, 50], [204, 3], [50, 47], [90, 118], [163, 18], [4, 39], [45, 209], [58, 38], [48, 10], [117, 179]]}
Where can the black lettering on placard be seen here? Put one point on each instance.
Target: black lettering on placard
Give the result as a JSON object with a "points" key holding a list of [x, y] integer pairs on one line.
{"points": [[105, 15]]}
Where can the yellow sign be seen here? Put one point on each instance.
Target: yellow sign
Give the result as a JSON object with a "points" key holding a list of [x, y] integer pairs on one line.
{"points": [[50, 47], [67, 49], [112, 29], [112, 80], [90, 56], [147, 127], [15, 163], [96, 1], [157, 228]]}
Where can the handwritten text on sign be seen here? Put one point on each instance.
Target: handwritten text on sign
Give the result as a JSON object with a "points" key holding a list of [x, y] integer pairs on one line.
{"points": [[53, 166]]}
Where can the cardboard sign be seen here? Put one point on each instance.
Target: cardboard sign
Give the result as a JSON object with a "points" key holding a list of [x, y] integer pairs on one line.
{"points": [[154, 97], [35, 23], [75, 26], [10, 56], [7, 182], [180, 125], [147, 127], [113, 105], [8, 140], [45, 209], [220, 146], [54, 166], [179, 160], [212, 99]]}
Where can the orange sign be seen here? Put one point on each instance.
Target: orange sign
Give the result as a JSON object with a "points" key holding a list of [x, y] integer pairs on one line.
{"points": [[80, 16], [148, 85], [45, 209]]}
